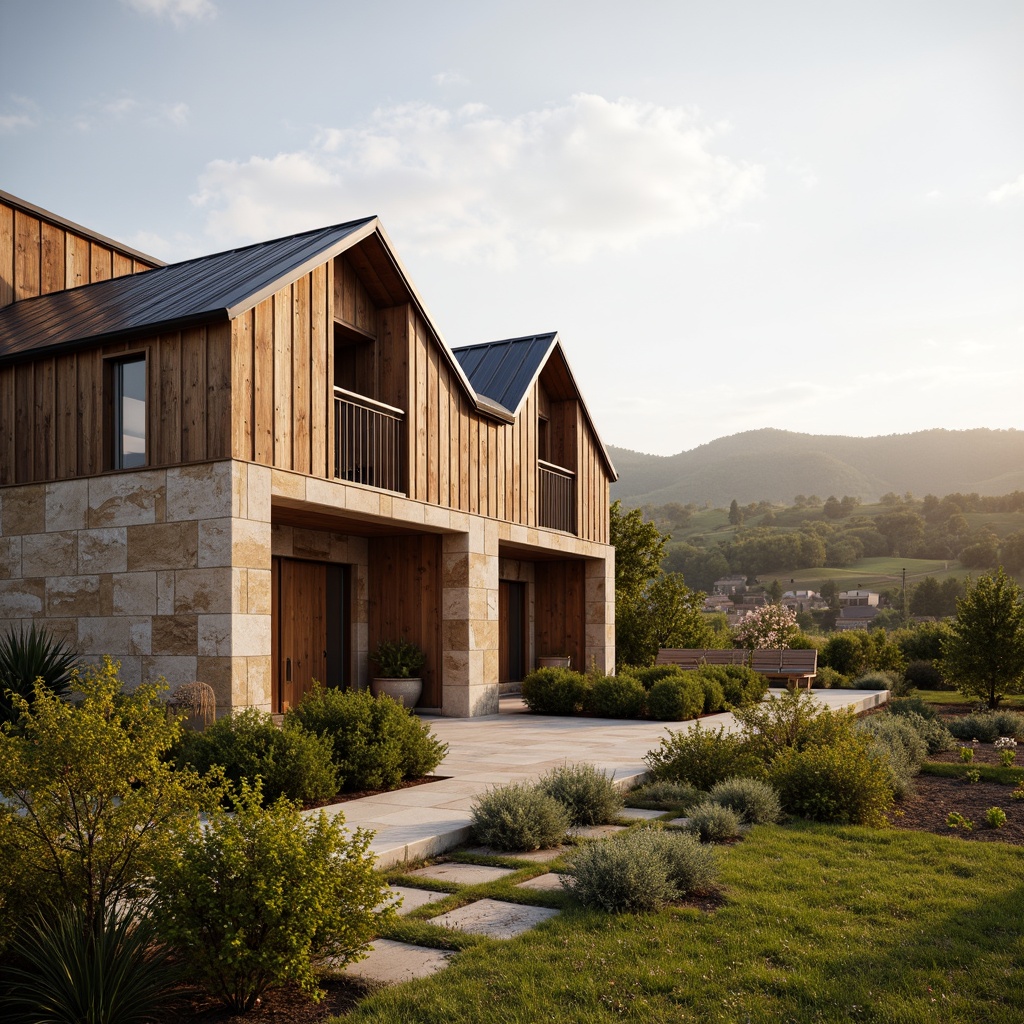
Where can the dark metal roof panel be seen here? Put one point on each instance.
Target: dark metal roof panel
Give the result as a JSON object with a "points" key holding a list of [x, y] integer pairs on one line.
{"points": [[504, 370], [210, 287]]}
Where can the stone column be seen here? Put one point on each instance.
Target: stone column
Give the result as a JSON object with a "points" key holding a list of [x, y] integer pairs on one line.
{"points": [[469, 611], [600, 612]]}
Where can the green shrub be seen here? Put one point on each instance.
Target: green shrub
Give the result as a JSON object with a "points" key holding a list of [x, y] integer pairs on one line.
{"points": [[838, 782], [616, 697], [935, 735], [664, 796], [896, 740], [28, 656], [699, 756], [555, 691], [676, 698], [793, 718], [995, 817], [519, 817], [1009, 723], [923, 675], [981, 727], [911, 706], [375, 742], [587, 794], [654, 674], [291, 762], [827, 678], [67, 969], [714, 695], [711, 822], [641, 870], [875, 680], [742, 685], [260, 897], [754, 800]]}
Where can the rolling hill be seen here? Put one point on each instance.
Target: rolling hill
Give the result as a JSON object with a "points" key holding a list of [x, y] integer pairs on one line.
{"points": [[776, 465]]}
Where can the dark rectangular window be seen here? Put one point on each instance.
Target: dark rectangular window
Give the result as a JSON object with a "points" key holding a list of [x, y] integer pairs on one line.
{"points": [[129, 412]]}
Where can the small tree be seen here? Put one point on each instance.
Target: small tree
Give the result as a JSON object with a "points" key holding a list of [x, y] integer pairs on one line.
{"points": [[735, 514], [983, 653], [772, 626]]}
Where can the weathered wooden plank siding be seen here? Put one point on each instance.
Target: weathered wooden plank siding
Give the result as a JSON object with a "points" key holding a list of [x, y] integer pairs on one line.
{"points": [[53, 410], [38, 257], [560, 610]]}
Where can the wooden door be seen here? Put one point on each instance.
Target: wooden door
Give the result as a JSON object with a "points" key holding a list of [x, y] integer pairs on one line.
{"points": [[299, 629], [512, 618]]}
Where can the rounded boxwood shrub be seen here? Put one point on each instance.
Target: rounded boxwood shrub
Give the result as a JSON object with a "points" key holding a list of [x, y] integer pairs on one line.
{"points": [[754, 800], [587, 793], [555, 691], [711, 822], [376, 743], [291, 762], [676, 698], [616, 697], [700, 757], [652, 674], [714, 695], [664, 796], [827, 678], [641, 870], [519, 817], [924, 675], [839, 782], [742, 685]]}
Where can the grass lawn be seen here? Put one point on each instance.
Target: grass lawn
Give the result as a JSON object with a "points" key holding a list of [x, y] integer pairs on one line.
{"points": [[818, 924], [1013, 702]]}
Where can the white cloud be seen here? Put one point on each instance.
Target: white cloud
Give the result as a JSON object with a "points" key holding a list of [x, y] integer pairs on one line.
{"points": [[450, 78], [120, 107], [176, 113], [179, 12], [1009, 190], [564, 182], [20, 114]]}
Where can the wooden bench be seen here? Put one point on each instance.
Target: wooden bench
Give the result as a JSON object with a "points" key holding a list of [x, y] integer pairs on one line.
{"points": [[788, 667]]}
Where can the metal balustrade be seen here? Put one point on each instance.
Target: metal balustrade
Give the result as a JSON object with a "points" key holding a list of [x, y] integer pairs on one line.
{"points": [[367, 441], [556, 497]]}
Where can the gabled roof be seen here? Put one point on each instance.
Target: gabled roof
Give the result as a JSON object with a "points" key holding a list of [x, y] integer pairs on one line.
{"points": [[215, 287], [504, 371]]}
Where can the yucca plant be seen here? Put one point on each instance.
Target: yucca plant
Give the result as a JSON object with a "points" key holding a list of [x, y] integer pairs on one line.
{"points": [[68, 969], [28, 656]]}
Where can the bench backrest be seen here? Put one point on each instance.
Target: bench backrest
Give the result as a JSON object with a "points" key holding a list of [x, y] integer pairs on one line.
{"points": [[767, 662]]}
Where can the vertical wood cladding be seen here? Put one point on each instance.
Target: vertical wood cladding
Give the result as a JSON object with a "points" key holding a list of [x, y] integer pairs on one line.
{"points": [[52, 409], [38, 257], [559, 610], [405, 600]]}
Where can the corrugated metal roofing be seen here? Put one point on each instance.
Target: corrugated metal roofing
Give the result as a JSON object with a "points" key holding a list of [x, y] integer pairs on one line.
{"points": [[210, 287], [504, 370]]}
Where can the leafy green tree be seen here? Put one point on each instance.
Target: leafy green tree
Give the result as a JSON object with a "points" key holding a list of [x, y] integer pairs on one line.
{"points": [[1012, 553], [982, 552], [639, 547], [902, 528], [984, 650], [89, 801], [832, 508], [735, 514], [774, 592]]}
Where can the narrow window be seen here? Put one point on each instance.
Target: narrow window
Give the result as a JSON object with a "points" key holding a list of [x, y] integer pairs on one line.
{"points": [[129, 419]]}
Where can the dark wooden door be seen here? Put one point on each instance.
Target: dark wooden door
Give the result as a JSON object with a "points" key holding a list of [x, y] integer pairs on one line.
{"points": [[299, 629], [512, 619]]}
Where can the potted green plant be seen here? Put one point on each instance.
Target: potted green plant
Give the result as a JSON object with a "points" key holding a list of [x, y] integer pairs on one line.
{"points": [[399, 663]]}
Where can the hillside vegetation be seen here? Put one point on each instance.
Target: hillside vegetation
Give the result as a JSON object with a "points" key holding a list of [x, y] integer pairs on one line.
{"points": [[776, 465]]}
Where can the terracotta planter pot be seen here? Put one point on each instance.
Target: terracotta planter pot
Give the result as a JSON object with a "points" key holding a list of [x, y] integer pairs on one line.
{"points": [[405, 691]]}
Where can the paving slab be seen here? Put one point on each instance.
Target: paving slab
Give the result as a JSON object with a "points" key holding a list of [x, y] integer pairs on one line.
{"points": [[543, 883], [595, 831], [639, 814], [462, 874], [536, 856], [495, 918], [391, 962], [411, 898]]}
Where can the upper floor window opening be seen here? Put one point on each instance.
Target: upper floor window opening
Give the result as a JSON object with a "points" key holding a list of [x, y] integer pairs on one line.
{"points": [[128, 409]]}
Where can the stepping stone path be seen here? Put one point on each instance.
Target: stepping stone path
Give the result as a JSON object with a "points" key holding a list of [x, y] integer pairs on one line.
{"points": [[639, 814], [596, 831], [495, 918], [533, 855], [391, 962], [679, 822], [412, 899], [543, 883], [463, 874]]}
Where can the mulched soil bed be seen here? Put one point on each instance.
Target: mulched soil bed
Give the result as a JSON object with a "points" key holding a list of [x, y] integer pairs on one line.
{"points": [[280, 1006], [936, 798]]}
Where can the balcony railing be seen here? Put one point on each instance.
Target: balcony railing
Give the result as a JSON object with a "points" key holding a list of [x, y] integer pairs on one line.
{"points": [[368, 441], [556, 497]]}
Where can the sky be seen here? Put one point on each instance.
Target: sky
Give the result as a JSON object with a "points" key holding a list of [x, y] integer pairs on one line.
{"points": [[737, 215]]}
